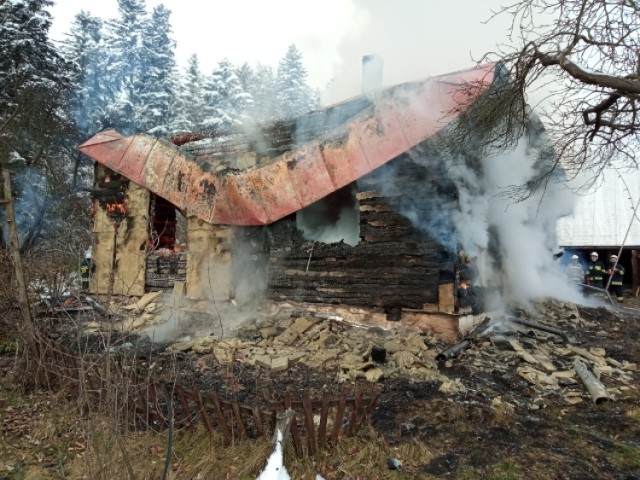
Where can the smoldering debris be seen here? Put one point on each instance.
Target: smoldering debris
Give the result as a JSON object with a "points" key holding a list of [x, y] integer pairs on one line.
{"points": [[537, 365]]}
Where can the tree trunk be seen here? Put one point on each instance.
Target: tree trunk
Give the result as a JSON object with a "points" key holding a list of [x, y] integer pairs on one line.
{"points": [[23, 300]]}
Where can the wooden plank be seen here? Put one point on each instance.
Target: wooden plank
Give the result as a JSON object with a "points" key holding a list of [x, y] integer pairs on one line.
{"points": [[259, 421], [337, 421], [222, 422], [308, 423], [202, 411], [371, 404], [324, 414], [279, 406], [239, 420], [184, 402], [355, 415], [295, 433]]}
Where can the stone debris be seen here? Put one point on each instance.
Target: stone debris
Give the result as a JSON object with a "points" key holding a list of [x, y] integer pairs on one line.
{"points": [[134, 317], [331, 345], [280, 337], [548, 366], [144, 301], [327, 344]]}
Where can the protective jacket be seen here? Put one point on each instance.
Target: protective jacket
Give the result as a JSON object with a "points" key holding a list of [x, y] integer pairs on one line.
{"points": [[86, 269], [596, 272], [575, 272], [616, 274]]}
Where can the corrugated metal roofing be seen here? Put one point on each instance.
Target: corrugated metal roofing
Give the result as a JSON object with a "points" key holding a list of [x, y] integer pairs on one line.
{"points": [[297, 163]]}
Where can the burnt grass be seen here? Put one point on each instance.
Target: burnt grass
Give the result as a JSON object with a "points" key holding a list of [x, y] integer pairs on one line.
{"points": [[467, 436]]}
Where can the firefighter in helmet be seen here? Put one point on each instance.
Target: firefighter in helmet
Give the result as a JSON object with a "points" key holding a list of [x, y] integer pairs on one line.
{"points": [[574, 270], [615, 272], [596, 271], [86, 269]]}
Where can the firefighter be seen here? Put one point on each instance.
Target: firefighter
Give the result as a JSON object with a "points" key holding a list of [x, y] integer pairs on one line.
{"points": [[596, 271], [466, 294], [467, 297], [616, 272], [86, 269], [575, 272]]}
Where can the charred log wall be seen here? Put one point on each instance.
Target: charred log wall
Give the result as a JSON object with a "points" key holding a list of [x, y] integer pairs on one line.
{"points": [[395, 265]]}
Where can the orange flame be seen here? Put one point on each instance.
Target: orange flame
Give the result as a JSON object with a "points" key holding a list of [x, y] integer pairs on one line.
{"points": [[117, 208]]}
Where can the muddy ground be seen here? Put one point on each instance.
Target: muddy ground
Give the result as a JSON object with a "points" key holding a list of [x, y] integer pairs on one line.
{"points": [[501, 426]]}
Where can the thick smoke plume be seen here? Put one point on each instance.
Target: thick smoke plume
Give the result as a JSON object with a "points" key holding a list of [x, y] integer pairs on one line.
{"points": [[492, 207], [511, 240]]}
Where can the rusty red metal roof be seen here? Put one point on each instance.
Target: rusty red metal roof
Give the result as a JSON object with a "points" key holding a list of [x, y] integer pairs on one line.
{"points": [[342, 149]]}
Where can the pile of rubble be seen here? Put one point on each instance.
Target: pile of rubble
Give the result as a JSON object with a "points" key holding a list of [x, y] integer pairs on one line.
{"points": [[549, 368], [554, 360], [325, 344], [553, 368], [134, 317]]}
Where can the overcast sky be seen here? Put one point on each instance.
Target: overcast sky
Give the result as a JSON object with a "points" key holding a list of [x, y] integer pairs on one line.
{"points": [[415, 38]]}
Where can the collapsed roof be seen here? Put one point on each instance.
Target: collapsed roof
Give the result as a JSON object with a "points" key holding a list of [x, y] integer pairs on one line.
{"points": [[293, 164]]}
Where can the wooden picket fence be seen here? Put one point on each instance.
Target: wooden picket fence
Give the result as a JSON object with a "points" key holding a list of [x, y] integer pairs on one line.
{"points": [[143, 402]]}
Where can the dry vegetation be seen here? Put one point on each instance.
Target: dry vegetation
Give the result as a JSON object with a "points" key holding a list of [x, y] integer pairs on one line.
{"points": [[498, 428]]}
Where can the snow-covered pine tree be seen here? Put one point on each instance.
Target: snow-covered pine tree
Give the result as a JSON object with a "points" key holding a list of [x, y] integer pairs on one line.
{"points": [[293, 94], [84, 48], [263, 93], [34, 80], [127, 60], [226, 102], [246, 76], [190, 106], [159, 78], [35, 86]]}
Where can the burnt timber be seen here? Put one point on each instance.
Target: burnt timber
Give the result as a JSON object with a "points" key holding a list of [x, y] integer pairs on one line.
{"points": [[395, 265], [258, 183]]}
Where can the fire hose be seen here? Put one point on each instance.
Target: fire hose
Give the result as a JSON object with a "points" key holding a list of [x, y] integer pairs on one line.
{"points": [[602, 291]]}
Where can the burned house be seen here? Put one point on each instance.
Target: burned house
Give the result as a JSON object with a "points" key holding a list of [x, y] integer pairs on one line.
{"points": [[324, 209]]}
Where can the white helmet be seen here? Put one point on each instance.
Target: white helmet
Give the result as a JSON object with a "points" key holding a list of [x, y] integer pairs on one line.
{"points": [[574, 257], [594, 254], [613, 257]]}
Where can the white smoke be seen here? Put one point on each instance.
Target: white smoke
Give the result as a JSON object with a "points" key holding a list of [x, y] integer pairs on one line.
{"points": [[332, 219], [226, 293], [513, 242]]}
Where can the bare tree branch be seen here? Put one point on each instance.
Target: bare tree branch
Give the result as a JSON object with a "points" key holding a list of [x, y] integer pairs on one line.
{"points": [[583, 57]]}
